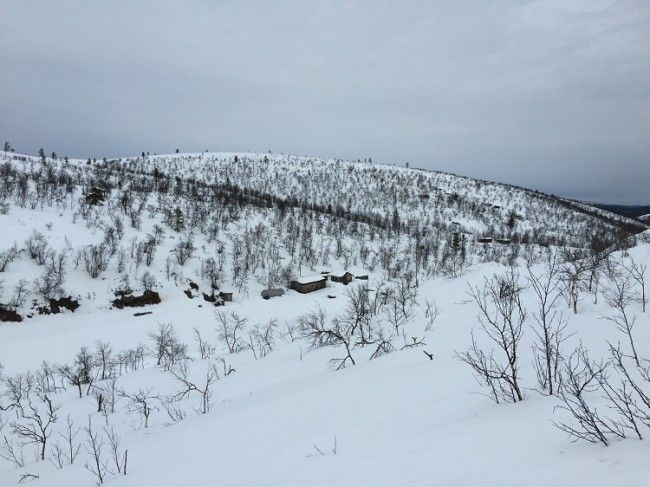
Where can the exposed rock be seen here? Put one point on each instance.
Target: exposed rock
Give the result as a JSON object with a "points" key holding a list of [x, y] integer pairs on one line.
{"points": [[9, 315], [272, 293], [148, 297], [54, 306]]}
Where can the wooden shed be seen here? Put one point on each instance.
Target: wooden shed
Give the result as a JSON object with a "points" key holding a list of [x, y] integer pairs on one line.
{"points": [[225, 296], [308, 284], [345, 278]]}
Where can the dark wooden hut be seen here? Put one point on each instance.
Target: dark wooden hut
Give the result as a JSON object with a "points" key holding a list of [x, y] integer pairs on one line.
{"points": [[345, 278], [308, 284]]}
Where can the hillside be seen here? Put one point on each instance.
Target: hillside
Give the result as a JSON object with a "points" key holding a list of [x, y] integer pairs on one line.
{"points": [[243, 222], [377, 382]]}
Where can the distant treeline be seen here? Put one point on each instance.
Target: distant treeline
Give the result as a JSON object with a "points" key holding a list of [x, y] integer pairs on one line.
{"points": [[630, 211]]}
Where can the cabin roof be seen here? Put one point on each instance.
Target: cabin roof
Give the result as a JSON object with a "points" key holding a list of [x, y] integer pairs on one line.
{"points": [[339, 273], [309, 279]]}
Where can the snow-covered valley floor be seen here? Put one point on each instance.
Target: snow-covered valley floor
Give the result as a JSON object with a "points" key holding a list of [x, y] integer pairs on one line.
{"points": [[289, 419], [404, 411]]}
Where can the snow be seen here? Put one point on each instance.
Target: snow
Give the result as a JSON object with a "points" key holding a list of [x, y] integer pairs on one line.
{"points": [[309, 279], [398, 420], [288, 418]]}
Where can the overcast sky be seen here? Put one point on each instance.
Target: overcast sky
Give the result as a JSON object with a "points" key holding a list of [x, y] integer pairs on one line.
{"points": [[551, 94]]}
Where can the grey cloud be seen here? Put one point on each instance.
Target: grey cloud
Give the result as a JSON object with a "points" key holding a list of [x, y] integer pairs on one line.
{"points": [[548, 94]]}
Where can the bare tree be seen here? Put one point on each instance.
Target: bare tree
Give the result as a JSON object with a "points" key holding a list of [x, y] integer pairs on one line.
{"points": [[573, 273], [502, 317], [431, 313], [206, 349], [27, 476], [315, 328], [118, 456], [359, 314], [104, 359], [230, 327], [384, 346], [170, 407], [95, 448], [166, 348], [12, 452], [618, 296], [140, 402], [96, 259], [637, 272], [66, 453], [632, 394], [582, 376], [37, 417], [51, 281], [261, 339], [81, 372], [550, 331], [69, 437], [188, 386], [394, 314]]}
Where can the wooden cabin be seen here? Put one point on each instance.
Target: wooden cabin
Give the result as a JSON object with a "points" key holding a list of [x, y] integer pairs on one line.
{"points": [[345, 278], [226, 296], [308, 284]]}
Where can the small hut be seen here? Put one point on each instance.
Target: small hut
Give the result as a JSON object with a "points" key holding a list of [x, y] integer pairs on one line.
{"points": [[308, 284], [225, 296], [345, 277]]}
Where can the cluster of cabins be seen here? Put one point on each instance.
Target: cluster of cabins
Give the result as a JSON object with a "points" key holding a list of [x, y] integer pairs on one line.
{"points": [[486, 240], [308, 284]]}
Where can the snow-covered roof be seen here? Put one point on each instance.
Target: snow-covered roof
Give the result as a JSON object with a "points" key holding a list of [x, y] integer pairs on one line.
{"points": [[339, 273], [308, 279]]}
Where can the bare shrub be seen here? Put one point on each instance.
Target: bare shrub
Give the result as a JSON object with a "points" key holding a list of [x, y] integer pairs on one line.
{"points": [[315, 328], [502, 317], [549, 328]]}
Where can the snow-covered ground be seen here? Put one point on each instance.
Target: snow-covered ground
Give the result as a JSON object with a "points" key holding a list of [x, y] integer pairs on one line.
{"points": [[401, 419], [283, 415]]}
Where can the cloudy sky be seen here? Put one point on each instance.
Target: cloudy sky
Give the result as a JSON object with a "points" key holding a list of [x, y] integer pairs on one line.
{"points": [[551, 94]]}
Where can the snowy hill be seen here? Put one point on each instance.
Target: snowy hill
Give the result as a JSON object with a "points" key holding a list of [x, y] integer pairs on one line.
{"points": [[422, 200], [370, 383], [244, 222]]}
